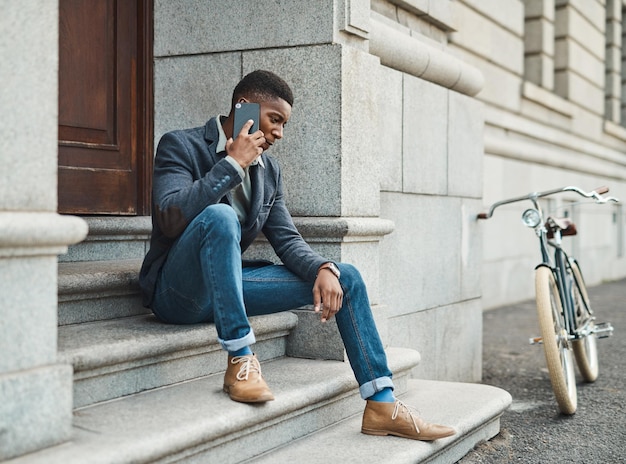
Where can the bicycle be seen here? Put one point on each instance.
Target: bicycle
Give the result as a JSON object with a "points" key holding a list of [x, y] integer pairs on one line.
{"points": [[566, 321]]}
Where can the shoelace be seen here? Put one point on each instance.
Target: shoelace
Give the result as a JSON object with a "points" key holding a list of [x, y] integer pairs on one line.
{"points": [[249, 364], [400, 406]]}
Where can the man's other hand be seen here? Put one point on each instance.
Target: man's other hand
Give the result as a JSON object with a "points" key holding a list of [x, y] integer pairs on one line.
{"points": [[327, 294]]}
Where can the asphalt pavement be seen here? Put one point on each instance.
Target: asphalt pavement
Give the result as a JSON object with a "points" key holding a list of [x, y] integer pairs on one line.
{"points": [[532, 430]]}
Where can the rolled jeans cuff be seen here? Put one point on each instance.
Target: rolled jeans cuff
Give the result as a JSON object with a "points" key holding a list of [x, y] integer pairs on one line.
{"points": [[238, 343], [376, 385]]}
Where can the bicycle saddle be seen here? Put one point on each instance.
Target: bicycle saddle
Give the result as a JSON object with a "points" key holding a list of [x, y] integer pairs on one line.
{"points": [[565, 225]]}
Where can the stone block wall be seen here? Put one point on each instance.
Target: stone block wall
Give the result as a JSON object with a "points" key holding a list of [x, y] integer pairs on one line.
{"points": [[431, 260]]}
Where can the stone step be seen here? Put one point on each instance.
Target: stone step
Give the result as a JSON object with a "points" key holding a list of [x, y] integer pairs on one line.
{"points": [[195, 421], [474, 410], [98, 290], [110, 238], [128, 355]]}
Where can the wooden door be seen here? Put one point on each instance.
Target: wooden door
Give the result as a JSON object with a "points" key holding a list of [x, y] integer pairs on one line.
{"points": [[105, 106]]}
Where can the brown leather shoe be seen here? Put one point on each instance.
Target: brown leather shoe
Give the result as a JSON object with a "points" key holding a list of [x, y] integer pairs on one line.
{"points": [[243, 380], [397, 419]]}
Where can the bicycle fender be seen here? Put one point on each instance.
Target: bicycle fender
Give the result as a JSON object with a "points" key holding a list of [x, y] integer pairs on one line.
{"points": [[543, 265]]}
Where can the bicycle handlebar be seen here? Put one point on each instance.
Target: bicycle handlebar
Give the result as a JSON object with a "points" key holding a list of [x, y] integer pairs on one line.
{"points": [[596, 194]]}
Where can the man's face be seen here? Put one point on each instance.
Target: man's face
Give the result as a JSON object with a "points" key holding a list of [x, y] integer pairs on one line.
{"points": [[274, 115]]}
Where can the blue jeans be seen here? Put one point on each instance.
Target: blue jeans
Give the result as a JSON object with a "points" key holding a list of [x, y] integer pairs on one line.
{"points": [[203, 280]]}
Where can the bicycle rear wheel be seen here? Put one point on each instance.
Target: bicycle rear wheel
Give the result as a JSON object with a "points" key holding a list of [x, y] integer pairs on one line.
{"points": [[555, 341], [585, 348]]}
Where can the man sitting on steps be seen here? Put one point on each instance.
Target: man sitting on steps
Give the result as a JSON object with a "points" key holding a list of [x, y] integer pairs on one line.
{"points": [[213, 193]]}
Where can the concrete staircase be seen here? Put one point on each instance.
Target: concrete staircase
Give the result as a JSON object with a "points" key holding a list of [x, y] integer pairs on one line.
{"points": [[149, 392]]}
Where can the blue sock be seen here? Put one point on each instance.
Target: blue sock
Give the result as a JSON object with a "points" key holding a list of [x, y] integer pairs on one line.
{"points": [[384, 396], [241, 352]]}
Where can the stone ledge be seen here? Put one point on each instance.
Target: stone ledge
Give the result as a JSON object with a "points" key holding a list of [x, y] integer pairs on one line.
{"points": [[547, 99], [555, 156], [37, 233], [397, 49], [615, 130], [332, 229], [119, 225]]}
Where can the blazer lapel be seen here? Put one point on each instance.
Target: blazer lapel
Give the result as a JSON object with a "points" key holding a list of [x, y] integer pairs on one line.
{"points": [[211, 135]]}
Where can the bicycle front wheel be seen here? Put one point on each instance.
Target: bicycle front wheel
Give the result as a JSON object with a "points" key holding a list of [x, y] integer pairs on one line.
{"points": [[585, 348], [555, 340]]}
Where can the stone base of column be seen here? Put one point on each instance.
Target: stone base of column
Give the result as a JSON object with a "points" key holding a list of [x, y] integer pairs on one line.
{"points": [[35, 391], [36, 409]]}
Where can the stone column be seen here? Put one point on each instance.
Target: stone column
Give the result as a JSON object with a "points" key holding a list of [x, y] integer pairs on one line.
{"points": [[35, 390], [539, 42]]}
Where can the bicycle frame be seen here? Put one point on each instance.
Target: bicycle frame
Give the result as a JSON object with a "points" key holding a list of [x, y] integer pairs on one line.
{"points": [[564, 283], [558, 263]]}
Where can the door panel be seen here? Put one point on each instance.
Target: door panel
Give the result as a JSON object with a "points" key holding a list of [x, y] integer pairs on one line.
{"points": [[104, 106]]}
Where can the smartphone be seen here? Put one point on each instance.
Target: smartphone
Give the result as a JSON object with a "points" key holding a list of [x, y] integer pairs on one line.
{"points": [[243, 113]]}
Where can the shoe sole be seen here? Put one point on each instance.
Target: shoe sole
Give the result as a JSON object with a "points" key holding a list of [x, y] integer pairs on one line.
{"points": [[261, 399], [384, 433]]}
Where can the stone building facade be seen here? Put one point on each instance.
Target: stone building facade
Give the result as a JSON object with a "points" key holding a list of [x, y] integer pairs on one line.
{"points": [[410, 115], [553, 117]]}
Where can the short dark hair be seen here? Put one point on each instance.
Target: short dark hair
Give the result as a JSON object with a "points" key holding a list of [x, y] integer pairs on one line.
{"points": [[264, 85]]}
